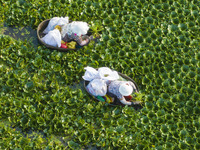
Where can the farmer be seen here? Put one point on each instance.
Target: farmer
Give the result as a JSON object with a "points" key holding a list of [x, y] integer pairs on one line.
{"points": [[76, 31], [121, 89]]}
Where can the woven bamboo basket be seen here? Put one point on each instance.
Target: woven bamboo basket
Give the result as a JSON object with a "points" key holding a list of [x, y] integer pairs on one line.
{"points": [[138, 106]]}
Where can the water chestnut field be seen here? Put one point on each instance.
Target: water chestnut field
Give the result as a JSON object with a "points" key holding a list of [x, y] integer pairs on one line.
{"points": [[43, 104]]}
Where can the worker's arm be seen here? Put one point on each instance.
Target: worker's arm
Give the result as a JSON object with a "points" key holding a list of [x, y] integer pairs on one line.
{"points": [[123, 101], [133, 85]]}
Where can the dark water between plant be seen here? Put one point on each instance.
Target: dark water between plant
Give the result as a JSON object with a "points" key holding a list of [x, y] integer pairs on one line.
{"points": [[20, 33]]}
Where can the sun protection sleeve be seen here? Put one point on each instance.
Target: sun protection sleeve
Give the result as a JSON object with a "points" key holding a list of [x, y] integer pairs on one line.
{"points": [[123, 101], [133, 85]]}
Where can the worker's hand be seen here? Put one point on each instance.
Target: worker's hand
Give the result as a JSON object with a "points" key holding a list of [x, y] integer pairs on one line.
{"points": [[136, 103]]}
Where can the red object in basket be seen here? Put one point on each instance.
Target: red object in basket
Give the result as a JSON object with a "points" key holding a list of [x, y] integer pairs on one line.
{"points": [[63, 45], [128, 98]]}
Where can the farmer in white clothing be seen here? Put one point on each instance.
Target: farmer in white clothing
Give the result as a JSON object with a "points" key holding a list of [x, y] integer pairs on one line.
{"points": [[121, 89]]}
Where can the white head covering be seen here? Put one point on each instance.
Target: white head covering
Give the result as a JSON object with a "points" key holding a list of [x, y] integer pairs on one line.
{"points": [[78, 27], [125, 89], [97, 87], [107, 74]]}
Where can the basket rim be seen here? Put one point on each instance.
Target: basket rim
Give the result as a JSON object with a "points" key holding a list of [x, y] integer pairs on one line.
{"points": [[122, 75]]}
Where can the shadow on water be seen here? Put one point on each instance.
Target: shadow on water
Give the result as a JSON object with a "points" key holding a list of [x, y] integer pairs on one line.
{"points": [[20, 33]]}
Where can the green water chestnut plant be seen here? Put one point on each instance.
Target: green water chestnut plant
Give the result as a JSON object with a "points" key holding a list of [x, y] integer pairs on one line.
{"points": [[96, 27], [156, 43]]}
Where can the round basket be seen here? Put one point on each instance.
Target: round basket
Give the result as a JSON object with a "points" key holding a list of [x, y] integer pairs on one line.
{"points": [[115, 104], [40, 34]]}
